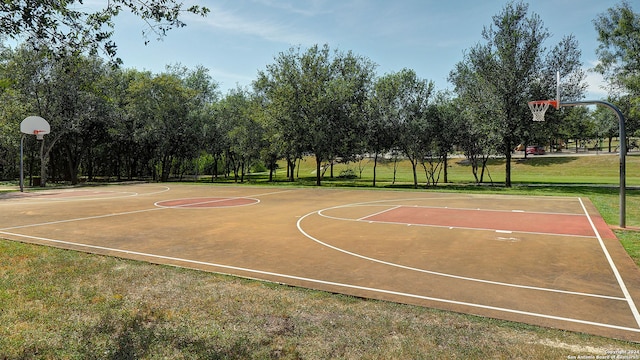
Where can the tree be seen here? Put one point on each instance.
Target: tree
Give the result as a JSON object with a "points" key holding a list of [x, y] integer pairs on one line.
{"points": [[446, 124], [619, 50], [204, 92], [279, 87], [478, 137], [125, 154], [580, 126], [606, 124], [66, 25], [515, 43], [162, 104], [60, 89], [403, 98], [379, 132], [273, 148], [13, 111], [502, 74], [318, 96], [79, 112], [243, 132], [216, 141]]}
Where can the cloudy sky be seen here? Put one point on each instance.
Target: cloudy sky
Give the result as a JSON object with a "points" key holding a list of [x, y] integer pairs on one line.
{"points": [[240, 37]]}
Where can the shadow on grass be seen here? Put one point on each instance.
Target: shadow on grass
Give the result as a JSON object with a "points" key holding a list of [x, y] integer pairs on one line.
{"points": [[546, 161], [531, 160], [145, 335]]}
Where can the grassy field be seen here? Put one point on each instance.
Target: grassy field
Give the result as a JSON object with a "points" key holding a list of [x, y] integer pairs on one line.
{"points": [[600, 169], [60, 304]]}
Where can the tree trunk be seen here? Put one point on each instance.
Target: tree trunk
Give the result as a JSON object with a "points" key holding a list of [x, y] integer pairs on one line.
{"points": [[414, 164], [318, 172], [291, 165], [375, 165], [446, 175], [507, 181]]}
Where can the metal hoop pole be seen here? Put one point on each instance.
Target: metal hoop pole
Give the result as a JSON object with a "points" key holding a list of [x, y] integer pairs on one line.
{"points": [[623, 151], [21, 164]]}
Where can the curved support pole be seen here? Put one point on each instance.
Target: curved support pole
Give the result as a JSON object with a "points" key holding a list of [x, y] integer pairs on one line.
{"points": [[623, 150]]}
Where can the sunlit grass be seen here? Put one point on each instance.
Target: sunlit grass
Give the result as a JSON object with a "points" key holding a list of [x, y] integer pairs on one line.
{"points": [[602, 169], [597, 169], [61, 304]]}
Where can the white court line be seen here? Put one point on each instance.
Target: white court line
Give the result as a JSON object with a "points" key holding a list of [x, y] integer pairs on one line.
{"points": [[379, 212], [489, 210], [119, 214], [363, 219], [331, 283], [222, 198], [37, 201], [444, 274], [625, 291], [82, 218], [196, 204]]}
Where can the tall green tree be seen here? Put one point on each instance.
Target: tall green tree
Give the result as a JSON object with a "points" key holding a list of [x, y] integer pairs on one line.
{"points": [[619, 54], [619, 50], [580, 126], [63, 90], [319, 96], [243, 132], [606, 125], [81, 106], [382, 112], [404, 100], [514, 41], [446, 124], [273, 141], [204, 92], [13, 110], [162, 103], [503, 73], [478, 138], [279, 86], [125, 155]]}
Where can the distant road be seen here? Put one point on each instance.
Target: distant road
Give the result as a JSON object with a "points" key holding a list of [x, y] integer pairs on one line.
{"points": [[565, 153]]}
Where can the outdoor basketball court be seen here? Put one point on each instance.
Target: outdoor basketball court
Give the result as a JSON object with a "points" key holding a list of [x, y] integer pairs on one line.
{"points": [[546, 261]]}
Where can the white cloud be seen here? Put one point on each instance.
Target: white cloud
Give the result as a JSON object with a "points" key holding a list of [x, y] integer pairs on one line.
{"points": [[303, 8], [597, 85], [267, 29]]}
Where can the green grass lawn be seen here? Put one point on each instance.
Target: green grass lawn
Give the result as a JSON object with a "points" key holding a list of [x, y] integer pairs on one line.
{"points": [[597, 169], [61, 304]]}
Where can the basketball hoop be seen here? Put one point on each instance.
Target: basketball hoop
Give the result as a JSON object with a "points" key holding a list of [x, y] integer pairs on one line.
{"points": [[539, 108], [31, 125]]}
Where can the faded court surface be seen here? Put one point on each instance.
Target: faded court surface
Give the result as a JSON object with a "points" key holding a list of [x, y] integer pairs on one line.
{"points": [[546, 261]]}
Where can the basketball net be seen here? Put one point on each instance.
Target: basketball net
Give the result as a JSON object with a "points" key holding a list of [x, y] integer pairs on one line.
{"points": [[539, 108]]}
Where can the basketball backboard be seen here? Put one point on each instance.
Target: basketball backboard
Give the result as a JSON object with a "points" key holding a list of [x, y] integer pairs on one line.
{"points": [[35, 125]]}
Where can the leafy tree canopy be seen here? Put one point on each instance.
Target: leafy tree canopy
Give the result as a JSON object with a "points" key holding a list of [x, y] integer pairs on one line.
{"points": [[619, 50], [70, 24]]}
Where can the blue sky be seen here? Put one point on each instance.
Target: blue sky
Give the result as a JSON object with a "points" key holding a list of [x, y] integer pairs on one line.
{"points": [[240, 37]]}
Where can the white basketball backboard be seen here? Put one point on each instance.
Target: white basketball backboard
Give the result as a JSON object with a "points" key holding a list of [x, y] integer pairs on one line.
{"points": [[35, 125]]}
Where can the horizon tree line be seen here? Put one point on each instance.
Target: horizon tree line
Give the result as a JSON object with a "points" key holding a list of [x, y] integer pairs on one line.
{"points": [[329, 104]]}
